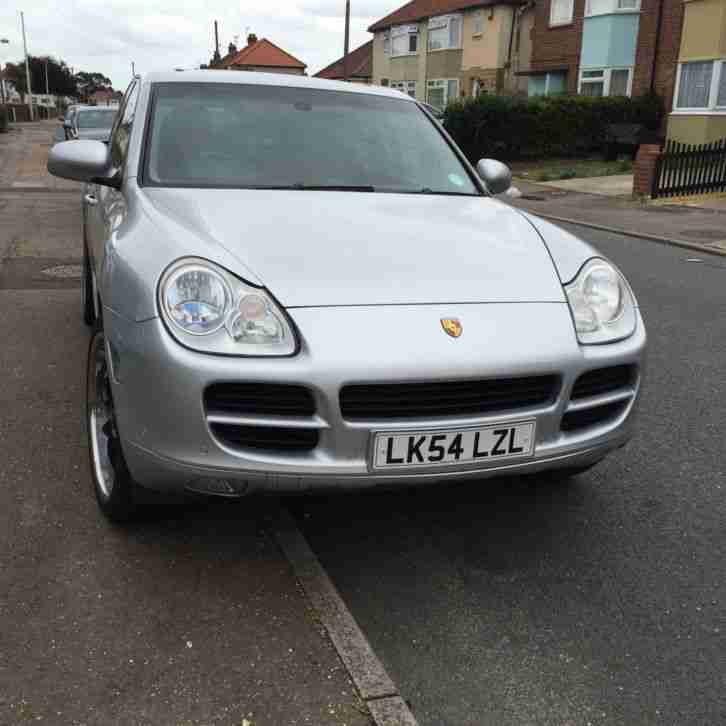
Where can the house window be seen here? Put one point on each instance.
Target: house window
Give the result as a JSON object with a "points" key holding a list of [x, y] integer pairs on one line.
{"points": [[404, 40], [387, 42], [606, 82], [561, 12], [721, 98], [701, 85], [478, 24], [445, 32], [619, 80], [408, 87], [440, 92], [475, 87], [605, 7]]}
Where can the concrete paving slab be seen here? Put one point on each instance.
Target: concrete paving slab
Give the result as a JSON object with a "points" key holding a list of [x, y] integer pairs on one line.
{"points": [[609, 186]]}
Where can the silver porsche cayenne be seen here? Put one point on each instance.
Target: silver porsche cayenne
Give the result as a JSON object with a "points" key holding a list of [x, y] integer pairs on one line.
{"points": [[296, 284]]}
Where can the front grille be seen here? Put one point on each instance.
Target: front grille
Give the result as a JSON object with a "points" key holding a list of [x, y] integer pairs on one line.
{"points": [[446, 398], [251, 402], [586, 417], [263, 437], [603, 380], [259, 399]]}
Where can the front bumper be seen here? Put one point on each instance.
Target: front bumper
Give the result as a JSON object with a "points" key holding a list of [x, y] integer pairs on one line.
{"points": [[159, 387]]}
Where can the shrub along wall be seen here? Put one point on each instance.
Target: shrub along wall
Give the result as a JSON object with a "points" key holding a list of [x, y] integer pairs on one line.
{"points": [[506, 128]]}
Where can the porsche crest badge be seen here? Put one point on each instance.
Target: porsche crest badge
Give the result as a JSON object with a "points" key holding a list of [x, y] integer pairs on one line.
{"points": [[452, 327]]}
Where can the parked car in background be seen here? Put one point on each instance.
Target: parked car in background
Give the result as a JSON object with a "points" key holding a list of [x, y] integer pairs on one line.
{"points": [[296, 283], [90, 122]]}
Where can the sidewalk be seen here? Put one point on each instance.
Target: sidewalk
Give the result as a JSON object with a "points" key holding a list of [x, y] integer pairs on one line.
{"points": [[693, 227], [195, 619], [23, 157]]}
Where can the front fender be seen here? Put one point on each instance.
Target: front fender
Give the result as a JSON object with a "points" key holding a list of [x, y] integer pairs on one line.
{"points": [[568, 252]]}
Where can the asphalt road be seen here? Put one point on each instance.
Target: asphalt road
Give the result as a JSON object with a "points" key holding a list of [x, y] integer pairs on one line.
{"points": [[602, 602]]}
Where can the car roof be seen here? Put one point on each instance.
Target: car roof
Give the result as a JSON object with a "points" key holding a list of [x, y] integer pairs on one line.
{"points": [[253, 78]]}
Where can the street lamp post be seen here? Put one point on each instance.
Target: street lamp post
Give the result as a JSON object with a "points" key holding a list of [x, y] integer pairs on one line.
{"points": [[27, 68], [3, 97]]}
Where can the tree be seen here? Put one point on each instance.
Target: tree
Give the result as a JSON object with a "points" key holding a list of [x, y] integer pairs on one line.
{"points": [[60, 79], [91, 82], [61, 82]]}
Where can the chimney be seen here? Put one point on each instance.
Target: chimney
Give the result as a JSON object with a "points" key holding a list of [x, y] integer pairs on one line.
{"points": [[251, 38], [232, 48]]}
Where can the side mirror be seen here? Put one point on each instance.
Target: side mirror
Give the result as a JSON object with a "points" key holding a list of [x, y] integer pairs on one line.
{"points": [[496, 176], [82, 160]]}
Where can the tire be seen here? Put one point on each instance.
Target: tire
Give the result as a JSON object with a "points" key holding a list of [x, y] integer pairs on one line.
{"points": [[87, 302], [116, 491]]}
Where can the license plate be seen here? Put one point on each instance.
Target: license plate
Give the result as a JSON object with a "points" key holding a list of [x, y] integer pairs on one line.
{"points": [[430, 449]]}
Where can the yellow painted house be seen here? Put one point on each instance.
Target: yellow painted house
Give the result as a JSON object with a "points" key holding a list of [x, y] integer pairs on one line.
{"points": [[699, 105], [441, 50]]}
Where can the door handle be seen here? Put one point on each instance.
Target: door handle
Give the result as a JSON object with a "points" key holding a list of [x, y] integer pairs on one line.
{"points": [[90, 200]]}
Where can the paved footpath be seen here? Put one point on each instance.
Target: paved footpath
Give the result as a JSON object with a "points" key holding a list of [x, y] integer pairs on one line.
{"points": [[194, 619], [701, 229]]}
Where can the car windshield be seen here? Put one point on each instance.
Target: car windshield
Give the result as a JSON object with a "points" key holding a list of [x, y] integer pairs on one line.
{"points": [[96, 119], [250, 136]]}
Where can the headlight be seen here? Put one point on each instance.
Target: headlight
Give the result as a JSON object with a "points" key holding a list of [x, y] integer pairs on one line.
{"points": [[602, 305], [209, 309]]}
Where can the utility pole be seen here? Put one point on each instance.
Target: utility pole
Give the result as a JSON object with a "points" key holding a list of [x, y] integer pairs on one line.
{"points": [[133, 70], [215, 56], [27, 67], [47, 92], [347, 38]]}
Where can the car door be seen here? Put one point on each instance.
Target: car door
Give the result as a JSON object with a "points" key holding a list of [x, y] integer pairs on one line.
{"points": [[101, 203]]}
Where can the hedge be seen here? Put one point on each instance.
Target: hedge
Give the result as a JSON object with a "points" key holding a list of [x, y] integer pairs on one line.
{"points": [[505, 127]]}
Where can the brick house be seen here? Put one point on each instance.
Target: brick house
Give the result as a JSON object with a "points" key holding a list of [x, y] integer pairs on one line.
{"points": [[360, 66], [605, 47], [259, 55]]}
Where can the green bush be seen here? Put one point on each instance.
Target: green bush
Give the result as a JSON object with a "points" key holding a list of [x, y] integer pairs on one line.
{"points": [[505, 127], [4, 119]]}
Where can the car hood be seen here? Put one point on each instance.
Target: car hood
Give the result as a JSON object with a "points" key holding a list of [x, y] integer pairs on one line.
{"points": [[353, 248], [94, 134]]}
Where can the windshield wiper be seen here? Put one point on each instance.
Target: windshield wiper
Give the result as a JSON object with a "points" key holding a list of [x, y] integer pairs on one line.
{"points": [[333, 188], [428, 190], [317, 187]]}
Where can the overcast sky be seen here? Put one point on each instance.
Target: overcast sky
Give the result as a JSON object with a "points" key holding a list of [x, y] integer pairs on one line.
{"points": [[106, 35]]}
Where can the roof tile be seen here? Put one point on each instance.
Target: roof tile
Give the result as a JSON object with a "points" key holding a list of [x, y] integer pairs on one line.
{"points": [[360, 64], [262, 53], [420, 9]]}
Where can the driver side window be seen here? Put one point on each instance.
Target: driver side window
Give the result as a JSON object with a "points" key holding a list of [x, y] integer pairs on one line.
{"points": [[122, 130]]}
